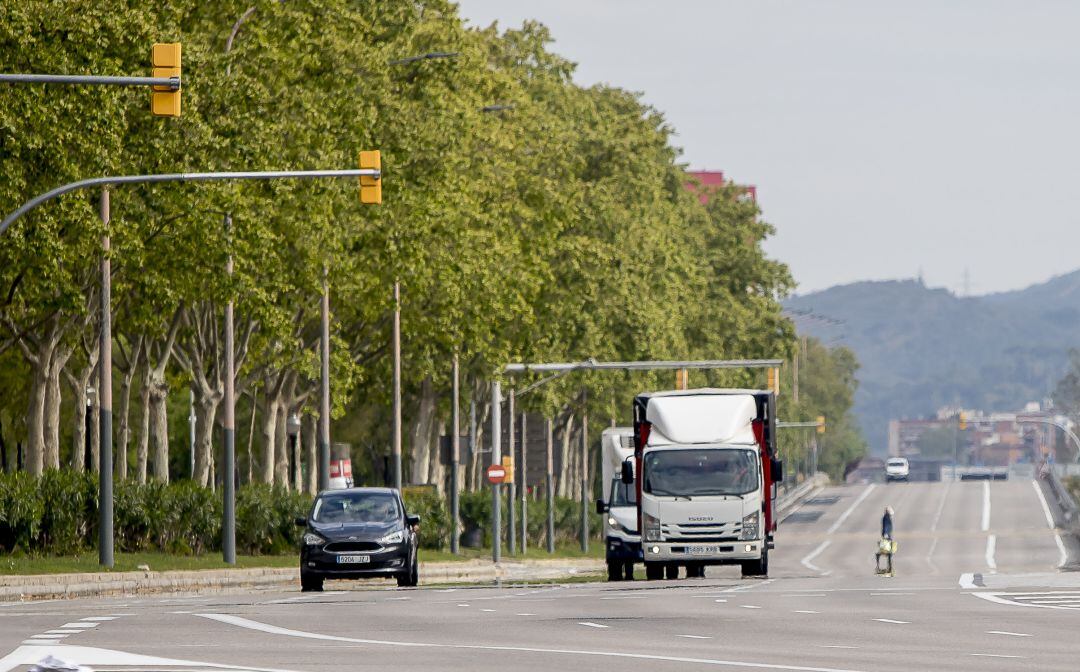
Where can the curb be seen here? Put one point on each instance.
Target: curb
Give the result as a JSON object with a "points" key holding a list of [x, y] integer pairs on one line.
{"points": [[100, 584]]}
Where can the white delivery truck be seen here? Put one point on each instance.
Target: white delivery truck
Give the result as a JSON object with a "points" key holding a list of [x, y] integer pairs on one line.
{"points": [[707, 469], [618, 504]]}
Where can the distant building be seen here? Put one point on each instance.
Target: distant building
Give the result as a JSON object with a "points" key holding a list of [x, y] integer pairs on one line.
{"points": [[715, 178], [989, 439]]}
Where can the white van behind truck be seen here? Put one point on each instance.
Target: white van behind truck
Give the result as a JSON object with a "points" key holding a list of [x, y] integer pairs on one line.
{"points": [[618, 505]]}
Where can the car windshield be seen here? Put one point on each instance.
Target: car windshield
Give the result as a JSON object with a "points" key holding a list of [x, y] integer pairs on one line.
{"points": [[686, 473], [622, 494], [356, 507]]}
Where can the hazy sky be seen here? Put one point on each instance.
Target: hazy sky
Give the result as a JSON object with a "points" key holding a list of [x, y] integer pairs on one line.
{"points": [[884, 137]]}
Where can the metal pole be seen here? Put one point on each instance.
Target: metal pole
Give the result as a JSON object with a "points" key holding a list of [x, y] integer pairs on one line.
{"points": [[191, 432], [324, 392], [105, 477], [585, 494], [228, 475], [524, 490], [511, 487], [548, 491], [455, 461], [496, 458], [397, 386], [474, 450], [172, 82]]}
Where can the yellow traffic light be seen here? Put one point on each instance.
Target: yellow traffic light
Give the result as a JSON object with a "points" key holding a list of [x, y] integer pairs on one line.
{"points": [[774, 381], [821, 424], [508, 466], [371, 186], [165, 101], [962, 420]]}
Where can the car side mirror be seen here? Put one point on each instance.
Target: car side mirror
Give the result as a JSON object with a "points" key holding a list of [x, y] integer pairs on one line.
{"points": [[300, 521], [412, 520], [777, 470], [601, 506], [627, 475]]}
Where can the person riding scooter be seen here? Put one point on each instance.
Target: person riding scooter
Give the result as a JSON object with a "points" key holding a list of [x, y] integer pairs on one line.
{"points": [[886, 523]]}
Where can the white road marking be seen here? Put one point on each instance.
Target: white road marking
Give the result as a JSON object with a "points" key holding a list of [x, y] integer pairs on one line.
{"points": [[526, 614], [807, 561], [991, 547], [1010, 634], [626, 597], [694, 636], [739, 589], [986, 506], [998, 598], [1063, 555], [590, 624], [272, 629], [805, 611], [804, 595], [48, 636], [721, 601], [79, 625], [105, 659], [880, 594], [98, 618], [396, 599], [835, 646], [487, 610], [844, 516], [993, 655], [749, 606], [967, 581], [941, 506], [462, 605], [889, 620], [65, 633]]}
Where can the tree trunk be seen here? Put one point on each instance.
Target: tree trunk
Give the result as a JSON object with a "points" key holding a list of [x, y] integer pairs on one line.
{"points": [[78, 433], [420, 436], [271, 409], [124, 439], [159, 418], [310, 443], [35, 423], [562, 457], [436, 470], [143, 448], [297, 472], [281, 448], [51, 457], [204, 436]]}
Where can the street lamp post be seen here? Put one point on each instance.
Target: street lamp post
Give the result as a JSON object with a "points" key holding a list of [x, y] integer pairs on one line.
{"points": [[292, 428]]}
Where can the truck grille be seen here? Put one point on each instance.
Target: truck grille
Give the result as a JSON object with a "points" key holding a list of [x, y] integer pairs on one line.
{"points": [[700, 532]]}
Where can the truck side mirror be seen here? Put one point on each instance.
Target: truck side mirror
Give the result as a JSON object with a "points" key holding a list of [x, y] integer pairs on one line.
{"points": [[627, 475], [777, 470], [601, 506]]}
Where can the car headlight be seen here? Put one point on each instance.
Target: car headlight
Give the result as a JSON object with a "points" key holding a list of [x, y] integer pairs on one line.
{"points": [[311, 539], [652, 528], [750, 526], [393, 538]]}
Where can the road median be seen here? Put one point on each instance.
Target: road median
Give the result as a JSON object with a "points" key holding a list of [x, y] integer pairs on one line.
{"points": [[100, 584]]}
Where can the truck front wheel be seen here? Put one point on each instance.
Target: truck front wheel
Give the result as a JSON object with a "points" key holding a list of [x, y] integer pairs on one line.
{"points": [[672, 571], [654, 571], [758, 567]]}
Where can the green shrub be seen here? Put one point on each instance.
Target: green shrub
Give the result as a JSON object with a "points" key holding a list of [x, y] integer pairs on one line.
{"points": [[21, 509], [191, 518], [434, 516], [65, 512], [265, 518]]}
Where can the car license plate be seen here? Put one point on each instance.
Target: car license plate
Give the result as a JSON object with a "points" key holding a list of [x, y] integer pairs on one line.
{"points": [[700, 550], [353, 559]]}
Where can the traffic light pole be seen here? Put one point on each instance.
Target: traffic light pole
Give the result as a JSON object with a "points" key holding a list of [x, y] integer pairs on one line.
{"points": [[173, 83], [113, 181]]}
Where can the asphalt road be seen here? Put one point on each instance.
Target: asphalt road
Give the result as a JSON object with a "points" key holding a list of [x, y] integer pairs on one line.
{"points": [[976, 588]]}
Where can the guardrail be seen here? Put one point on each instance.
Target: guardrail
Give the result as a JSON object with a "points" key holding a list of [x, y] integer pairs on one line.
{"points": [[1064, 498], [786, 500]]}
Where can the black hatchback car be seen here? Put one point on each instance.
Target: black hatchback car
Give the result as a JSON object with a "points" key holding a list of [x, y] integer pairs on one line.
{"points": [[358, 533]]}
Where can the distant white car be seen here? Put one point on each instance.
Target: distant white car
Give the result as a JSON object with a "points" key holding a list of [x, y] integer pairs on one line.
{"points": [[897, 469]]}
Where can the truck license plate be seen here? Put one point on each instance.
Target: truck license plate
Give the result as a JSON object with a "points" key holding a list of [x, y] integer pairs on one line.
{"points": [[700, 550], [353, 559]]}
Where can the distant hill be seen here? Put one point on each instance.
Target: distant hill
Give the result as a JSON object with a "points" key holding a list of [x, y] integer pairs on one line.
{"points": [[923, 348]]}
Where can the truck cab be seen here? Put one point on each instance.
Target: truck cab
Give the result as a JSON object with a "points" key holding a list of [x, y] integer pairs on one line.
{"points": [[706, 474], [622, 542]]}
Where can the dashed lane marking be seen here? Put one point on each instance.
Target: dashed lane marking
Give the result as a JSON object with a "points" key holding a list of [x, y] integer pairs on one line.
{"points": [[694, 636], [487, 610], [749, 606], [889, 620], [805, 611], [1007, 633], [721, 601], [526, 614], [986, 506], [854, 505], [994, 655], [991, 549], [590, 624]]}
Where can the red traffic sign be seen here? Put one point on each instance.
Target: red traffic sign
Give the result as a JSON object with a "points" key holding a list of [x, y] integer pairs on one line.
{"points": [[496, 473]]}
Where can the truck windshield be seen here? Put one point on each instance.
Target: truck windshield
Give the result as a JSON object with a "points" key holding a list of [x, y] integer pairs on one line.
{"points": [[622, 494], [700, 472]]}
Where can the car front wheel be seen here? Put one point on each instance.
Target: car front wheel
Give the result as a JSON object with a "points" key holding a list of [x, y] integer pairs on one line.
{"points": [[310, 582], [410, 578]]}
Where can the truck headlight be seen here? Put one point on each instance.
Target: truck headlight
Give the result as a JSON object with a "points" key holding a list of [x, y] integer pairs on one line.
{"points": [[750, 526], [652, 528], [311, 539], [393, 538]]}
